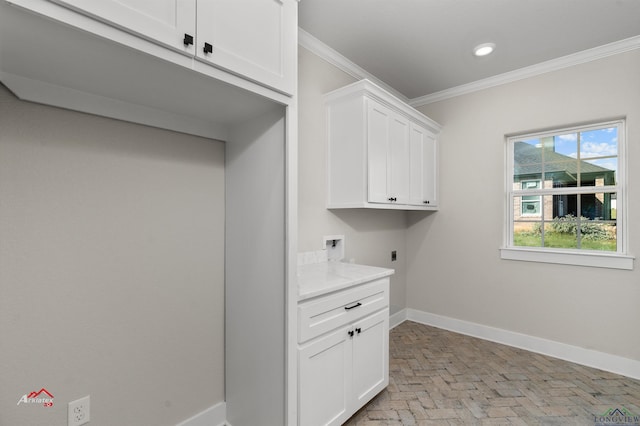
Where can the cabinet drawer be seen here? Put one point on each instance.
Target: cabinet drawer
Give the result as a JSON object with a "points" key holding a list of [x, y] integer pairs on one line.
{"points": [[323, 314]]}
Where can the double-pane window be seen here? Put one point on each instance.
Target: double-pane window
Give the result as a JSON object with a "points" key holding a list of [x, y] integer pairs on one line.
{"points": [[564, 189]]}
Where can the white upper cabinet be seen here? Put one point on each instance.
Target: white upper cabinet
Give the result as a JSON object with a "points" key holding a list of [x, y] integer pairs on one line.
{"points": [[143, 60], [251, 38], [381, 152], [168, 22], [388, 159], [423, 169], [398, 160]]}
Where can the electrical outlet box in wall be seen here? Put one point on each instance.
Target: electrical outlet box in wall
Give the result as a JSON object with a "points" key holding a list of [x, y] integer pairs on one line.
{"points": [[79, 412], [334, 244]]}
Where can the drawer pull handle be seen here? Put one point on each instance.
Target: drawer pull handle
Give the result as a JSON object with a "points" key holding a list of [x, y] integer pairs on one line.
{"points": [[353, 306]]}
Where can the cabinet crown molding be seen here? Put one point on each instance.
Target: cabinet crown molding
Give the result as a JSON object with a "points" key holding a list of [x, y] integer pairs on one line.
{"points": [[371, 90]]}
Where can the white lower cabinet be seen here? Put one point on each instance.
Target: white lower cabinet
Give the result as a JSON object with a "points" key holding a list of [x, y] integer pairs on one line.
{"points": [[342, 369], [370, 356], [323, 379]]}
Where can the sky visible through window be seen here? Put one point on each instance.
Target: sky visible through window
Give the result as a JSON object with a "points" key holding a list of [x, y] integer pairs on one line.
{"points": [[598, 147]]}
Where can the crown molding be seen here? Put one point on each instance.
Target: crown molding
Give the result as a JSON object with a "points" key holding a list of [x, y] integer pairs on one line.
{"points": [[325, 52], [578, 58], [331, 56], [371, 90]]}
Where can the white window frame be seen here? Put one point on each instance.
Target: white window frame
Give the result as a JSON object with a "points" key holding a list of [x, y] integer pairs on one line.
{"points": [[580, 257]]}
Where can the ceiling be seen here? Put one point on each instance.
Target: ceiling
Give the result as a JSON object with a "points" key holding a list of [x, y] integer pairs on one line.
{"points": [[420, 47]]}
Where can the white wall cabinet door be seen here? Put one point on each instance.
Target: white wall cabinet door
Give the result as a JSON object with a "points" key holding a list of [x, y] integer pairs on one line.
{"points": [[430, 170], [378, 121], [388, 155], [323, 365], [163, 21], [370, 365], [423, 167], [399, 160], [255, 39], [250, 38]]}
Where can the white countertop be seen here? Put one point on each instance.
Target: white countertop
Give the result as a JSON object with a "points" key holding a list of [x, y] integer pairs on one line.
{"points": [[319, 278]]}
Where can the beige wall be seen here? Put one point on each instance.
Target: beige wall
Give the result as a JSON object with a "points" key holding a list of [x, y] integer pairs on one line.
{"points": [[111, 268], [454, 268], [370, 235]]}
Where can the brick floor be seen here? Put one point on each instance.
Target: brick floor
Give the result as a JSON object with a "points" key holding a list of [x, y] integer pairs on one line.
{"points": [[438, 377]]}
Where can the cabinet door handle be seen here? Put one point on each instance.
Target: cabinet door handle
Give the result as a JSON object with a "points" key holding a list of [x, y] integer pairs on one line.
{"points": [[350, 332], [208, 48], [426, 202], [392, 199], [188, 39], [358, 330], [352, 306]]}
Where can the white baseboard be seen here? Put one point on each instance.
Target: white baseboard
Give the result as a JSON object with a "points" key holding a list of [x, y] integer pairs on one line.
{"points": [[397, 318], [212, 416], [217, 414], [590, 358]]}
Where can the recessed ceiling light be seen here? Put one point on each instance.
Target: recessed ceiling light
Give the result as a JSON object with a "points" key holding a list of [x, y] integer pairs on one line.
{"points": [[484, 49]]}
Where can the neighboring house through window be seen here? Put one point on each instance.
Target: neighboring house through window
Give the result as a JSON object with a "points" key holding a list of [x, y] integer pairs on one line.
{"points": [[565, 192], [530, 204]]}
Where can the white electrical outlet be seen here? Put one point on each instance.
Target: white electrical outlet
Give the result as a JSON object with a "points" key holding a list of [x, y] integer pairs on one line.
{"points": [[79, 411]]}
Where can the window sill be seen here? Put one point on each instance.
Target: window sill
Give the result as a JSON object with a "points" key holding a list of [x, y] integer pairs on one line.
{"points": [[593, 259]]}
